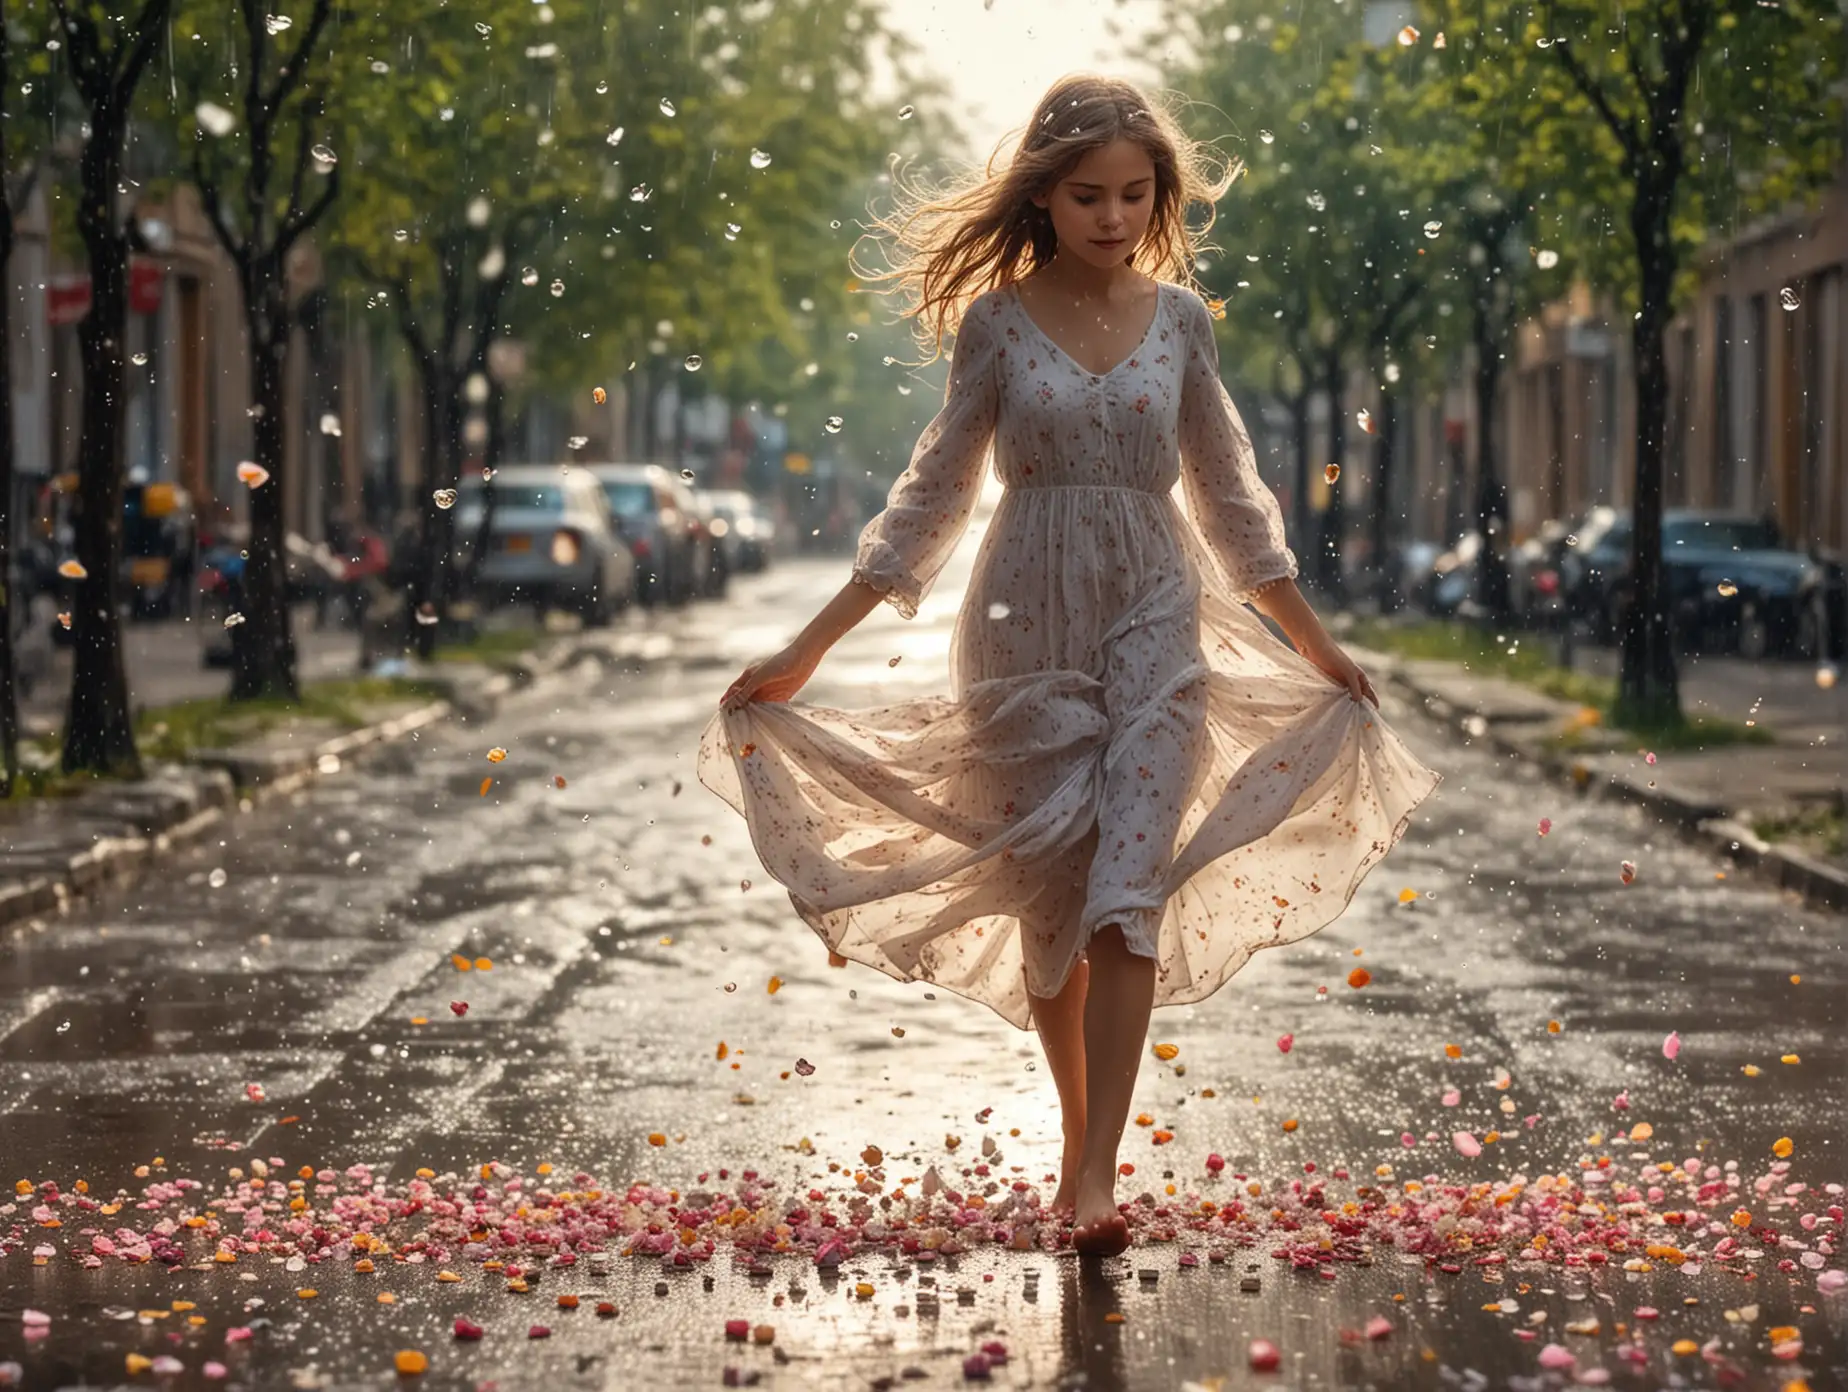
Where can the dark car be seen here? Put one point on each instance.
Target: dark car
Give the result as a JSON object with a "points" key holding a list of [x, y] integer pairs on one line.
{"points": [[1729, 583], [1536, 587], [661, 523]]}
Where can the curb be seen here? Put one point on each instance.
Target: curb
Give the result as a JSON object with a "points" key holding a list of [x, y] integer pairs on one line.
{"points": [[1702, 822], [137, 823]]}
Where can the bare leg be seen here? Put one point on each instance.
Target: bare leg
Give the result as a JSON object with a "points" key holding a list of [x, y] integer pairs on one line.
{"points": [[1116, 1022], [1060, 1020]]}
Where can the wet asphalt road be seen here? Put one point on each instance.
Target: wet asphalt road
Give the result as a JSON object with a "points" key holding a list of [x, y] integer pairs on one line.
{"points": [[625, 949]]}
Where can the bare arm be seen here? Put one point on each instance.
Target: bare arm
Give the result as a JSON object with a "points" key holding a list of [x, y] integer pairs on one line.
{"points": [[781, 676], [1283, 602]]}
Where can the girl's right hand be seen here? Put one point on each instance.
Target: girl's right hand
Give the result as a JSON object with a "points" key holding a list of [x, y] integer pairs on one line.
{"points": [[775, 678]]}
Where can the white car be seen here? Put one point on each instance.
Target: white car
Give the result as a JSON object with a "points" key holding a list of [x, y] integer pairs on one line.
{"points": [[552, 542]]}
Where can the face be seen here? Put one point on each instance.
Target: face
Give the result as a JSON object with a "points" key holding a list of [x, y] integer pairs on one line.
{"points": [[1101, 210]]}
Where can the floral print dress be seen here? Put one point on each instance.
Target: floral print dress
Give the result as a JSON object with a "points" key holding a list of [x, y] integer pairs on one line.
{"points": [[1124, 741]]}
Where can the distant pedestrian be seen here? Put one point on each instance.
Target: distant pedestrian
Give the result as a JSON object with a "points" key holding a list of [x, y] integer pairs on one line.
{"points": [[1132, 786]]}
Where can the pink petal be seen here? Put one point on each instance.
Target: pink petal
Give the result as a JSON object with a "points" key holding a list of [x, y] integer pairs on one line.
{"points": [[1546, 825], [1264, 1355], [1557, 1356], [1451, 1097], [1379, 1327], [1408, 1140], [1671, 1046], [35, 1317], [1286, 1043], [1832, 1281], [215, 1371], [1466, 1144]]}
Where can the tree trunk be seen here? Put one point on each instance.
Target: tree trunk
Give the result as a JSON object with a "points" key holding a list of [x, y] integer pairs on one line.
{"points": [[99, 734], [1304, 518], [1385, 578], [9, 697], [263, 645], [420, 633], [1334, 517], [1491, 499], [337, 510], [1648, 691], [490, 463]]}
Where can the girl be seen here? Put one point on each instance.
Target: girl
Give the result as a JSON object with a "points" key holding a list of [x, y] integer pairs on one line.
{"points": [[1132, 786]]}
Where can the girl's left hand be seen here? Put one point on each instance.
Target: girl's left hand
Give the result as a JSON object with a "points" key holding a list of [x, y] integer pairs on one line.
{"points": [[1342, 670]]}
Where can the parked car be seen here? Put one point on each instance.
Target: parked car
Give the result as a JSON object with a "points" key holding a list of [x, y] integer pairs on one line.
{"points": [[552, 542], [749, 530], [1730, 583], [660, 521], [721, 559]]}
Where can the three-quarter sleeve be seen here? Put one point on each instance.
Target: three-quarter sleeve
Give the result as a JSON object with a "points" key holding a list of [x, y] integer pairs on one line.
{"points": [[1231, 505], [903, 549]]}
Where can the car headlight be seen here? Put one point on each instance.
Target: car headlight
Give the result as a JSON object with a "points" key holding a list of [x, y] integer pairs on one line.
{"points": [[720, 526]]}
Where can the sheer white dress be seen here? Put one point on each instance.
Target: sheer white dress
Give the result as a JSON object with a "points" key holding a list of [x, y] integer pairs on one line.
{"points": [[1126, 744]]}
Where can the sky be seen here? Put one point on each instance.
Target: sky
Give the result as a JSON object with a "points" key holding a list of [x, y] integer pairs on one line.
{"points": [[999, 56]]}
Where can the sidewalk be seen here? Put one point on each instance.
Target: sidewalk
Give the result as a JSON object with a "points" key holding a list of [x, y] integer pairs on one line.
{"points": [[1716, 794]]}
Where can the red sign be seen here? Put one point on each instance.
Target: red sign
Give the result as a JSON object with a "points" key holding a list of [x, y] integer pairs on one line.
{"points": [[67, 300]]}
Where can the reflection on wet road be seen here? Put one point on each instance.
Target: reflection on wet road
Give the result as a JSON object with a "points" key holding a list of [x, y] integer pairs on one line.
{"points": [[402, 973]]}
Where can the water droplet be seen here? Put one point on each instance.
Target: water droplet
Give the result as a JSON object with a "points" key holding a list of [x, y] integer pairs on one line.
{"points": [[577, 442], [483, 29], [1432, 228], [614, 137], [330, 424], [64, 1027], [233, 620], [694, 362], [218, 878], [667, 107], [1788, 298], [276, 24], [1317, 202], [603, 89], [324, 159], [426, 614], [402, 234], [732, 230], [380, 67], [760, 159], [213, 119], [853, 337], [688, 475], [905, 113], [1546, 260], [1268, 137], [641, 193], [834, 425], [444, 498], [139, 359], [998, 611], [558, 289], [529, 275]]}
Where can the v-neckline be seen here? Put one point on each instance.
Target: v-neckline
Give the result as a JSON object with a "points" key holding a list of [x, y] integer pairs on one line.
{"points": [[1020, 304]]}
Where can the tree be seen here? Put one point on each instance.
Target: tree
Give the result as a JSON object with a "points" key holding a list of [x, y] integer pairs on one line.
{"points": [[9, 700], [1689, 114], [99, 735], [273, 211]]}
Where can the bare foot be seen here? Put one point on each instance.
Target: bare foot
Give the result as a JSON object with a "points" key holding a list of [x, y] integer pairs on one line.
{"points": [[1066, 1198], [1098, 1230]]}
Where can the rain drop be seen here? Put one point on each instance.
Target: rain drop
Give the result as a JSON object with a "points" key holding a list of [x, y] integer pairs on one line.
{"points": [[614, 137], [233, 620], [64, 1027], [603, 89], [324, 159], [641, 193], [667, 107], [688, 475], [905, 113], [998, 611], [1788, 298], [853, 338], [577, 442], [444, 498], [277, 23], [330, 424], [694, 362], [1546, 260], [1432, 228], [139, 359], [558, 289], [1268, 137], [760, 159], [213, 119], [834, 425], [380, 67], [218, 878], [1317, 202], [529, 275], [732, 230], [426, 614], [483, 29]]}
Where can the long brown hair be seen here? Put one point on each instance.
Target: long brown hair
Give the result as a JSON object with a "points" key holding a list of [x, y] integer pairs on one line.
{"points": [[945, 248]]}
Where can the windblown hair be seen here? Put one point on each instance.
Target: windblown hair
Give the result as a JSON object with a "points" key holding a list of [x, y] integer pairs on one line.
{"points": [[945, 248]]}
